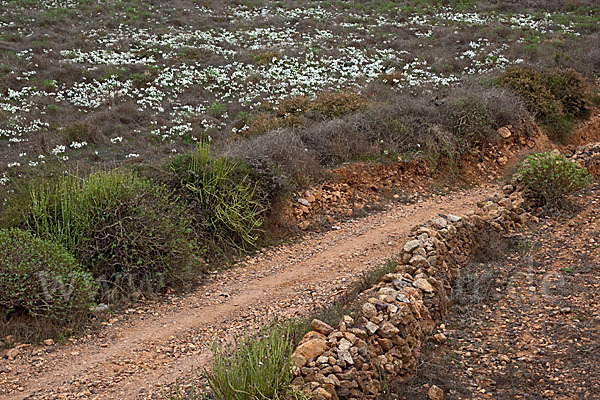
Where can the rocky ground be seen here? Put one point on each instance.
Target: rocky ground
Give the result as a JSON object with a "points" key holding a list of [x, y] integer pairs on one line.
{"points": [[526, 319]]}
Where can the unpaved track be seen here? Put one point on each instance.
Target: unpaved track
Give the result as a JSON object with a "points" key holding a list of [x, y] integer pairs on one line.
{"points": [[155, 344]]}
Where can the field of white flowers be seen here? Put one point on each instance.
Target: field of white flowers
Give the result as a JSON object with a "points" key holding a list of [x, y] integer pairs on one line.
{"points": [[111, 80]]}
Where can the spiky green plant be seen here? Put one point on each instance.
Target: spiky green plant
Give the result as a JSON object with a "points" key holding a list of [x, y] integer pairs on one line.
{"points": [[221, 194], [257, 368], [131, 234]]}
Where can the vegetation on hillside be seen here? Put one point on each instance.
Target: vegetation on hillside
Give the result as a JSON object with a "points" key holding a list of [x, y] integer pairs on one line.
{"points": [[551, 178], [281, 91], [44, 291]]}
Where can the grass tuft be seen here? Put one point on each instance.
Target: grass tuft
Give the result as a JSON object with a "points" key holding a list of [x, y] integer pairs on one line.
{"points": [[221, 197], [257, 368]]}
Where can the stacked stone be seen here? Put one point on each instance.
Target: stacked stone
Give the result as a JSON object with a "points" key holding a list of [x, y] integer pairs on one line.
{"points": [[402, 310], [588, 156]]}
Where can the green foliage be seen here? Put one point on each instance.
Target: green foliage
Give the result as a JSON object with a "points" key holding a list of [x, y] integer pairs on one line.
{"points": [[257, 368], [141, 79], [531, 85], [10, 37], [553, 177], [221, 196], [60, 210], [571, 90], [52, 108], [468, 118], [48, 84], [41, 280], [130, 233], [557, 97], [217, 109]]}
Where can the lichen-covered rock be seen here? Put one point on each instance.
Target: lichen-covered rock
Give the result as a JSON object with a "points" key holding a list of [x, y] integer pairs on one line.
{"points": [[411, 245], [435, 393], [369, 310]]}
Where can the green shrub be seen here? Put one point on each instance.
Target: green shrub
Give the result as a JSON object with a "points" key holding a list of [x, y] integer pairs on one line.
{"points": [[258, 367], [60, 210], [570, 88], [221, 196], [41, 281], [48, 85], [217, 109], [557, 97], [531, 85], [131, 234], [141, 79], [552, 177], [559, 126]]}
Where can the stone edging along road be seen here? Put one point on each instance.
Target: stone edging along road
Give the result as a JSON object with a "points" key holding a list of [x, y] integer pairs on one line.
{"points": [[402, 310]]}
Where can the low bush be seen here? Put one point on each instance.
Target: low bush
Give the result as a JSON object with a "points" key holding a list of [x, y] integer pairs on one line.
{"points": [[294, 105], [82, 132], [342, 139], [570, 88], [408, 125], [556, 97], [380, 131], [131, 234], [336, 104], [261, 123], [296, 111], [265, 57], [221, 197], [504, 106], [217, 110], [468, 118], [41, 284], [280, 159], [531, 85], [258, 367], [552, 177], [440, 146]]}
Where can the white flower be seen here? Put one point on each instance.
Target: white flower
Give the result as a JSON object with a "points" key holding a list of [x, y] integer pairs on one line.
{"points": [[59, 149], [78, 145]]}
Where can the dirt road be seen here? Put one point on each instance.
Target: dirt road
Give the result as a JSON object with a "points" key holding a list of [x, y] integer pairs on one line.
{"points": [[152, 345]]}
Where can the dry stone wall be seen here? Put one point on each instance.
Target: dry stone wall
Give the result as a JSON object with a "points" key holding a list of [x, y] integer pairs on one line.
{"points": [[400, 312], [350, 360], [588, 156]]}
